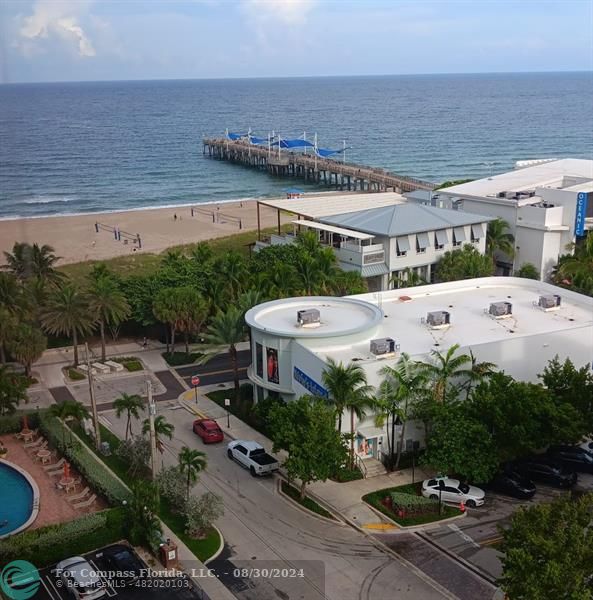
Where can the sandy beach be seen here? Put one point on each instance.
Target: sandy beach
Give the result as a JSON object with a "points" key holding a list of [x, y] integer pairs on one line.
{"points": [[75, 238]]}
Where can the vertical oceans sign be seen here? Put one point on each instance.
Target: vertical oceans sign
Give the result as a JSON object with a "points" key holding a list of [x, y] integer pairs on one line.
{"points": [[581, 214]]}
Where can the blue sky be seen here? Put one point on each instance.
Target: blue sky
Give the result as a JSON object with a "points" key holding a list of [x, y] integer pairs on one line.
{"points": [[60, 40]]}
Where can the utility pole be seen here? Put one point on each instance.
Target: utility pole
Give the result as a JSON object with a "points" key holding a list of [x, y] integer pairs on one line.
{"points": [[93, 400], [151, 415]]}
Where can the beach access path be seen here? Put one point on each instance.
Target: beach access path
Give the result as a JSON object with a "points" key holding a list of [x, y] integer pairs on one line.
{"points": [[75, 237]]}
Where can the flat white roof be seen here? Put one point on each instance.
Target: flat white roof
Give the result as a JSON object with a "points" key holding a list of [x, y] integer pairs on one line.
{"points": [[333, 204], [339, 230], [547, 174], [466, 302], [339, 317]]}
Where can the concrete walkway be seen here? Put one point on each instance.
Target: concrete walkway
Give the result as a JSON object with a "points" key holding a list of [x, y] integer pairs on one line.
{"points": [[344, 499]]}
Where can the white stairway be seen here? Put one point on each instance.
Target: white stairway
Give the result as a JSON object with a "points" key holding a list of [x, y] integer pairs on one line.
{"points": [[373, 468]]}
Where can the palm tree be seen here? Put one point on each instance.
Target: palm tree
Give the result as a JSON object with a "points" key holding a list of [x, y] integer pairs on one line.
{"points": [[166, 310], [401, 384], [11, 293], [498, 240], [348, 390], [8, 324], [445, 368], [130, 404], [307, 274], [108, 304], [28, 261], [69, 409], [278, 282], [227, 329], [233, 271], [578, 269], [201, 253], [162, 429], [27, 345], [19, 262], [477, 372], [191, 462], [407, 278], [12, 390], [67, 312]]}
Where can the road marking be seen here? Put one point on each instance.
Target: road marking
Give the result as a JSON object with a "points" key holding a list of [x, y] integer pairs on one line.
{"points": [[53, 588], [492, 541], [380, 526], [464, 536], [216, 372], [109, 587]]}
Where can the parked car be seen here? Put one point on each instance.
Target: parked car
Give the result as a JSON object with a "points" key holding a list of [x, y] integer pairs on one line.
{"points": [[546, 470], [253, 457], [452, 490], [122, 561], [80, 579], [587, 444], [573, 457], [511, 483], [208, 430]]}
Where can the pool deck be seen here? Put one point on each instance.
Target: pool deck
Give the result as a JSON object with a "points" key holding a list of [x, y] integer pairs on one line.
{"points": [[53, 506]]}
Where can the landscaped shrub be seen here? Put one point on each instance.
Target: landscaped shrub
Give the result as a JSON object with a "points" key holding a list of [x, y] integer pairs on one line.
{"points": [[13, 423], [49, 544], [411, 504], [89, 466], [75, 375], [174, 359], [130, 363]]}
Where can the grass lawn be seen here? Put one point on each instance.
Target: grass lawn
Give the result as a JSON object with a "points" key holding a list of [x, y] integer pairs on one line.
{"points": [[306, 502], [374, 499], [203, 548], [75, 375], [146, 264], [130, 363]]}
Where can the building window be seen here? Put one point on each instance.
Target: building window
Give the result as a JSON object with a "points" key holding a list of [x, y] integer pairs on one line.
{"points": [[421, 242], [440, 239], [477, 233], [403, 245], [458, 236]]}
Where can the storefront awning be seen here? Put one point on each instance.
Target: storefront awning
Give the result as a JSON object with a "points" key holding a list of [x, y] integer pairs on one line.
{"points": [[370, 432], [374, 270]]}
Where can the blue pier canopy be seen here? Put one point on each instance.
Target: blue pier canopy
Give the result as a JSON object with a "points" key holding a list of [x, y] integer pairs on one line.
{"points": [[325, 152], [258, 140], [236, 136], [296, 143]]}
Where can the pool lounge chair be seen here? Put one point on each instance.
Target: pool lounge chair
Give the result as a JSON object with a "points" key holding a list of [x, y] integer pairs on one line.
{"points": [[35, 443], [55, 466], [86, 503], [79, 496]]}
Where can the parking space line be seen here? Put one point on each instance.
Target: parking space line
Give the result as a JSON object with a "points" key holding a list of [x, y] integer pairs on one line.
{"points": [[108, 587], [47, 589], [54, 588]]}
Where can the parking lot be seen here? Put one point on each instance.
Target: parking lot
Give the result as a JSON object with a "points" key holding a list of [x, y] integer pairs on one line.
{"points": [[161, 588], [474, 537]]}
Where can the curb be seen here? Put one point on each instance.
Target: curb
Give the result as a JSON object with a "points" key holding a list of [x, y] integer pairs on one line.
{"points": [[220, 548], [334, 521]]}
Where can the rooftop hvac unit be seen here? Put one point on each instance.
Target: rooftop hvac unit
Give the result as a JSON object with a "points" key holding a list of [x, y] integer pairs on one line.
{"points": [[438, 319], [308, 317], [382, 346], [501, 310], [549, 302], [501, 195]]}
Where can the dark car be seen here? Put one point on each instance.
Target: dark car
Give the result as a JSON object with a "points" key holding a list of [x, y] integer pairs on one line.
{"points": [[573, 457], [122, 563], [511, 483], [208, 430], [546, 470]]}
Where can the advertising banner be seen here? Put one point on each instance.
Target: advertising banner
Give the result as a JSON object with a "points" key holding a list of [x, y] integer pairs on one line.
{"points": [[272, 358], [581, 213]]}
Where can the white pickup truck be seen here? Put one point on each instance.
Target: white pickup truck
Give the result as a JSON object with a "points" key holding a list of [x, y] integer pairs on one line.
{"points": [[253, 457]]}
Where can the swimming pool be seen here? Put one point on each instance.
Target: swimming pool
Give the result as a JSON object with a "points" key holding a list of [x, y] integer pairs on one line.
{"points": [[19, 494]]}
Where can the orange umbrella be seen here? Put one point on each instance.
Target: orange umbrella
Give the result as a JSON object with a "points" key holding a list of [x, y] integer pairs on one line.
{"points": [[66, 471]]}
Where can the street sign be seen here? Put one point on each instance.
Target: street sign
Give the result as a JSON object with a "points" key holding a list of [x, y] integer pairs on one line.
{"points": [[195, 380], [227, 401]]}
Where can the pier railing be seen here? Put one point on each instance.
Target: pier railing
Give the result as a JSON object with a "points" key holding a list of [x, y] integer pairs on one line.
{"points": [[342, 175]]}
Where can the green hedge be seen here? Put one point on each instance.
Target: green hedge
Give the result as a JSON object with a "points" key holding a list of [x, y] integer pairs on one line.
{"points": [[13, 423], [176, 359], [52, 543], [412, 504], [92, 469]]}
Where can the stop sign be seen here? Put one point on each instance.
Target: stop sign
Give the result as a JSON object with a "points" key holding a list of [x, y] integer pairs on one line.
{"points": [[195, 380]]}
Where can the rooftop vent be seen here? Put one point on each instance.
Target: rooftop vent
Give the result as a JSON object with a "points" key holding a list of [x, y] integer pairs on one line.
{"points": [[501, 195], [383, 346], [308, 317], [438, 319], [500, 310], [549, 302]]}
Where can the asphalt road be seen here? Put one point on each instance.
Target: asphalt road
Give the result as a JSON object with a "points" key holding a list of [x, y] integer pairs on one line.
{"points": [[217, 370], [263, 529]]}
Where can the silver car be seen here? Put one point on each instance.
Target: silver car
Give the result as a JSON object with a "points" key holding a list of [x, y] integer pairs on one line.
{"points": [[452, 490], [80, 579]]}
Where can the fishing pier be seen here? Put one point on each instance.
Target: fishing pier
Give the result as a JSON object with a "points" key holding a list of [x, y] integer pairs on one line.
{"points": [[310, 167]]}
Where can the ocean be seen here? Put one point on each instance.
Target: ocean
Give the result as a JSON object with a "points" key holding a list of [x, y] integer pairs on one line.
{"points": [[69, 148]]}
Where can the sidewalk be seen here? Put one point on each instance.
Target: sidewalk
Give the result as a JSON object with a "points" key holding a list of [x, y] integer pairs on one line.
{"points": [[344, 499]]}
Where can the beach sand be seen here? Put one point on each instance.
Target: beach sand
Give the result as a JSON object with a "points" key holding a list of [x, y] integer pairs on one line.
{"points": [[75, 239]]}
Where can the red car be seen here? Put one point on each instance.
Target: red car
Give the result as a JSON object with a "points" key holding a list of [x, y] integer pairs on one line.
{"points": [[208, 430]]}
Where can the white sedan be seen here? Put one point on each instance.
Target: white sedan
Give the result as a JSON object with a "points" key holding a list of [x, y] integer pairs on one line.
{"points": [[452, 490]]}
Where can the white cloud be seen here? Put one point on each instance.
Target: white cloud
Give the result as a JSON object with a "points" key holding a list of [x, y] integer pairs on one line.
{"points": [[289, 12], [56, 18]]}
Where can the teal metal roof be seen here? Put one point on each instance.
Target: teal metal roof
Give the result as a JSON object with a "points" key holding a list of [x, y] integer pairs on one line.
{"points": [[402, 219], [374, 270]]}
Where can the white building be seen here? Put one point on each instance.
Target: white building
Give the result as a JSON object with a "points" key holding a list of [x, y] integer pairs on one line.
{"points": [[547, 205], [288, 357], [381, 236]]}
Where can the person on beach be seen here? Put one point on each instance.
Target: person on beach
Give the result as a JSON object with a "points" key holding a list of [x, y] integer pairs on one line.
{"points": [[175, 217]]}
